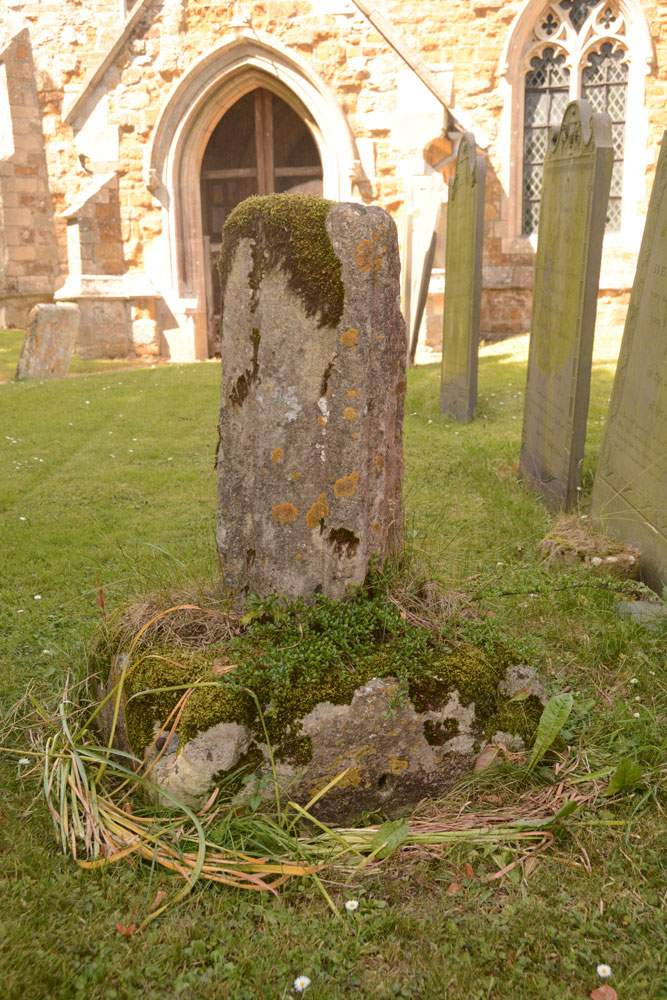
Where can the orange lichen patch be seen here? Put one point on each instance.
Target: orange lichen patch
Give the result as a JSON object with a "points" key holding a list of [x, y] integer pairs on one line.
{"points": [[352, 393], [276, 454], [350, 338], [355, 436], [379, 463], [347, 485], [322, 421], [370, 253], [298, 555], [284, 512], [317, 512], [377, 527], [349, 413], [293, 476]]}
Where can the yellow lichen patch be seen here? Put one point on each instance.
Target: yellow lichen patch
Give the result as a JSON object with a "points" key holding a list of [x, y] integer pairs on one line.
{"points": [[350, 338], [350, 780], [276, 454], [347, 485], [352, 393], [396, 765], [317, 512], [284, 512], [349, 413], [322, 421], [379, 463], [377, 527]]}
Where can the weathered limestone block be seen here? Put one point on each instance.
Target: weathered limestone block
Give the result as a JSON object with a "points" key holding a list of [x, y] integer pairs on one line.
{"points": [[50, 338], [313, 349], [394, 754]]}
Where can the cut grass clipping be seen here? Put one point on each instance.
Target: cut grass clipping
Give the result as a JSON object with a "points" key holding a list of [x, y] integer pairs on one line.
{"points": [[97, 797]]}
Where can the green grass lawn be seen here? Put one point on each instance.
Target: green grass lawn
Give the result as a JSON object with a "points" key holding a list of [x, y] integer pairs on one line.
{"points": [[107, 481]]}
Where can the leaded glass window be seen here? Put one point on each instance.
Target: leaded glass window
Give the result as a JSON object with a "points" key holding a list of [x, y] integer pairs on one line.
{"points": [[546, 96], [604, 83], [557, 73], [578, 10]]}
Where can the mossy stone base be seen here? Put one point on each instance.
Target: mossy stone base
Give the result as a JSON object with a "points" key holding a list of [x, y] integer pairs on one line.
{"points": [[393, 740]]}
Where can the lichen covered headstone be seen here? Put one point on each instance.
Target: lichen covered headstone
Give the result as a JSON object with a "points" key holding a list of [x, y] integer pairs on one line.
{"points": [[313, 381], [575, 190], [50, 339], [463, 283], [630, 486]]}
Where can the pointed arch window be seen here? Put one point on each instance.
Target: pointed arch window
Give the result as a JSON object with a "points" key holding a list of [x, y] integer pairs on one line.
{"points": [[577, 48]]}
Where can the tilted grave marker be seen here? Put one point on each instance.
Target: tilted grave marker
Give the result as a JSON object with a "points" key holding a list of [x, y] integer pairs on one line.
{"points": [[50, 339], [314, 351], [575, 190], [463, 283], [630, 490]]}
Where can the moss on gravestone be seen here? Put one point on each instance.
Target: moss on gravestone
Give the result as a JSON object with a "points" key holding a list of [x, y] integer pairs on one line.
{"points": [[288, 230]]}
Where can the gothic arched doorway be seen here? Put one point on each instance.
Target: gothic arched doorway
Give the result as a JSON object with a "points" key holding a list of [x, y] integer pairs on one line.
{"points": [[259, 146]]}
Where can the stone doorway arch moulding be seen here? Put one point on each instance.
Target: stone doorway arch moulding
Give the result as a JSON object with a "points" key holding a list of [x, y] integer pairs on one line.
{"points": [[239, 63], [637, 39]]}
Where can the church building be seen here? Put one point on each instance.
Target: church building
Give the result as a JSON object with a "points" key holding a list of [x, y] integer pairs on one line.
{"points": [[129, 129]]}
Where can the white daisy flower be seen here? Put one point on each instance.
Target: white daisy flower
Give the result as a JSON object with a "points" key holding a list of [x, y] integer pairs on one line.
{"points": [[633, 680], [24, 760], [301, 983], [37, 597], [604, 971], [352, 905]]}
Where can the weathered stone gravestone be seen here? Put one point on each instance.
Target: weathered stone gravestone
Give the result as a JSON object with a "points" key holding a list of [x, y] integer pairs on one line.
{"points": [[575, 189], [313, 348], [630, 490], [50, 338], [463, 283]]}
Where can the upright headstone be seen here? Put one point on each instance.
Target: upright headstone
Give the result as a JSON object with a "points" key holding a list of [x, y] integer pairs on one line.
{"points": [[314, 352], [630, 490], [463, 283], [575, 190], [50, 338]]}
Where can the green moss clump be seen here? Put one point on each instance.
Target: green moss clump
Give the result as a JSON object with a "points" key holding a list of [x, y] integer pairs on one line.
{"points": [[157, 681], [468, 670], [290, 230], [437, 733], [519, 717]]}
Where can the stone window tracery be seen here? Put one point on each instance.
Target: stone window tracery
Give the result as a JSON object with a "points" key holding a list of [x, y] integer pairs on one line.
{"points": [[577, 48]]}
